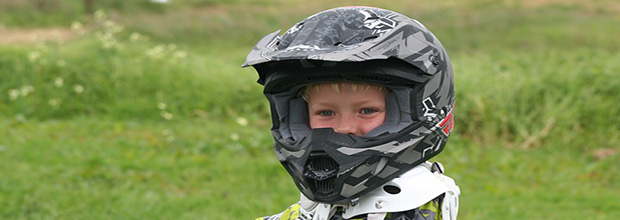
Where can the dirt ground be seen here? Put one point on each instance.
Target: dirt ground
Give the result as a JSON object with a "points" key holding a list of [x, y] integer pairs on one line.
{"points": [[10, 36]]}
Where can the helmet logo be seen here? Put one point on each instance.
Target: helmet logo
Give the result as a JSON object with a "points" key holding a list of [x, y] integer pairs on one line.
{"points": [[379, 25], [304, 47], [295, 28], [447, 124], [429, 106], [430, 111], [274, 42]]}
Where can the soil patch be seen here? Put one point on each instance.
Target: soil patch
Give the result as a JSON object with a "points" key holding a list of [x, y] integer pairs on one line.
{"points": [[28, 36]]}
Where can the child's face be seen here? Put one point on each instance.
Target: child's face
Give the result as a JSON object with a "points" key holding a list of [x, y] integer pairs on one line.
{"points": [[346, 111]]}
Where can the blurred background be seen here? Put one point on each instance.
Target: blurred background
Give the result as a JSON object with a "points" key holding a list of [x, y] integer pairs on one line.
{"points": [[113, 109]]}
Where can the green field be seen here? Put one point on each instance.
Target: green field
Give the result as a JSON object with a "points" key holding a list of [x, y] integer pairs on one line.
{"points": [[142, 111]]}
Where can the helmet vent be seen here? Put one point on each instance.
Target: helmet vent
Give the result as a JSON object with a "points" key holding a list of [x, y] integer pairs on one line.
{"points": [[322, 77], [323, 163], [373, 78], [326, 186], [321, 170], [370, 38]]}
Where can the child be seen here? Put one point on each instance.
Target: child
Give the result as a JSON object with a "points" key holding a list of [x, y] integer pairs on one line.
{"points": [[361, 98]]}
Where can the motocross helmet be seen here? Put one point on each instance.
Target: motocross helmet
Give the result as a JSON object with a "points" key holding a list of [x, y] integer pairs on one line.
{"points": [[356, 44]]}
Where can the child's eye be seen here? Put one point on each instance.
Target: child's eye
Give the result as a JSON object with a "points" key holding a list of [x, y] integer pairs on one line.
{"points": [[326, 113], [367, 111]]}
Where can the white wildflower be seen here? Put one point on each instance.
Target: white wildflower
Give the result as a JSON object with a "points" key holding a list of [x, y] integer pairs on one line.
{"points": [[58, 82], [76, 26], [25, 90], [13, 94], [234, 136], [179, 54], [29, 88], [156, 52], [112, 27], [100, 15], [107, 40], [166, 115], [109, 44], [78, 89], [33, 56], [242, 121], [161, 106], [54, 102], [134, 36]]}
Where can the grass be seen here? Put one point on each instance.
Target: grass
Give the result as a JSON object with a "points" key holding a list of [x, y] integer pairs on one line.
{"points": [[107, 73], [113, 168], [146, 114]]}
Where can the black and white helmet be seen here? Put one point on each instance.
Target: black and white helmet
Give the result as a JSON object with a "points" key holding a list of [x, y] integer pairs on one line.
{"points": [[359, 44]]}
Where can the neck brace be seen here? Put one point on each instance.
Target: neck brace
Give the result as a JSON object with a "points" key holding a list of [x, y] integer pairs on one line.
{"points": [[409, 191]]}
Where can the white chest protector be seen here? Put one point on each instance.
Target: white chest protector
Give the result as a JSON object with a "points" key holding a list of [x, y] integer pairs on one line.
{"points": [[409, 191]]}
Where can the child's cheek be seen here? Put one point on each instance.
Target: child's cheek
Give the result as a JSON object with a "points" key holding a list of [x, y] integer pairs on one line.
{"points": [[374, 122]]}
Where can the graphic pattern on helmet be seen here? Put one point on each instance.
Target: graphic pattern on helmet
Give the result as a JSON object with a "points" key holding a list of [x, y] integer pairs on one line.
{"points": [[354, 34]]}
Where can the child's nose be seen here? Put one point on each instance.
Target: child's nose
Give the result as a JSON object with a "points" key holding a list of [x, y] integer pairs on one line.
{"points": [[347, 125]]}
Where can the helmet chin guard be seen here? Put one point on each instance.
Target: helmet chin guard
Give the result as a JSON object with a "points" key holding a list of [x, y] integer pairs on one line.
{"points": [[357, 44]]}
